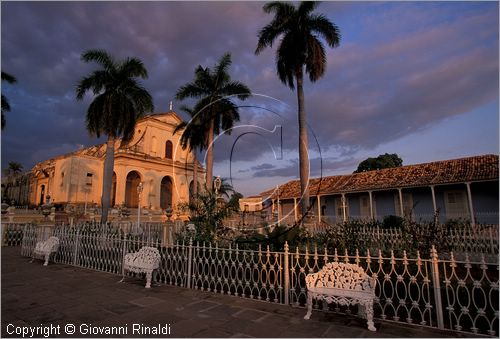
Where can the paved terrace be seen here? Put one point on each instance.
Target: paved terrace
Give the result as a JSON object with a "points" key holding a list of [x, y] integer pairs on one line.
{"points": [[60, 295]]}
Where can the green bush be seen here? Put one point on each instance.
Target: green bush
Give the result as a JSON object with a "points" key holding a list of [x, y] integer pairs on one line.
{"points": [[393, 221]]}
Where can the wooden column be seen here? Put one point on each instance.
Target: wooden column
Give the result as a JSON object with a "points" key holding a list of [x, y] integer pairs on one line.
{"points": [[434, 205], [344, 215], [471, 207], [401, 209], [295, 209], [371, 204], [319, 208]]}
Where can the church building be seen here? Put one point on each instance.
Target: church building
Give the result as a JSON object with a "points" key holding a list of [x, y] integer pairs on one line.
{"points": [[153, 157]]}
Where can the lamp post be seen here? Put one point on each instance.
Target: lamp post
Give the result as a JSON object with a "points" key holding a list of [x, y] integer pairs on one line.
{"points": [[139, 193]]}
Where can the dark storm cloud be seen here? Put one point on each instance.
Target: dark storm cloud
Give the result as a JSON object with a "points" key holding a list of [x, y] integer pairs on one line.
{"points": [[400, 68]]}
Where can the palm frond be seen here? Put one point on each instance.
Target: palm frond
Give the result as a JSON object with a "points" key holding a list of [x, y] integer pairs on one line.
{"points": [[96, 82], [101, 57], [133, 67], [8, 78], [5, 104], [306, 7], [316, 58], [328, 30], [236, 88], [179, 127], [220, 70]]}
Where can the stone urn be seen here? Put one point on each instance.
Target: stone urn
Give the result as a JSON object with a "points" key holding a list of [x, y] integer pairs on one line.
{"points": [[4, 208], [46, 210], [169, 212]]}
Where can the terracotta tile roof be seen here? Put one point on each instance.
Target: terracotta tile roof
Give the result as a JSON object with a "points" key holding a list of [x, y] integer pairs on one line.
{"points": [[478, 168]]}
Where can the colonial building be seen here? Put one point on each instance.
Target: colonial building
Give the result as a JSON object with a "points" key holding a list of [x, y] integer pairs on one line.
{"points": [[464, 188], [153, 157]]}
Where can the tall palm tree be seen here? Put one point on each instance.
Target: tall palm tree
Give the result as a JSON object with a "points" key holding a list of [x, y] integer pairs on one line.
{"points": [[299, 48], [194, 138], [5, 103], [214, 110], [119, 101]]}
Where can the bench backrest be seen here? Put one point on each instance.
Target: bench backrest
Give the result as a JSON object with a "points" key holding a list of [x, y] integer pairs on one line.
{"points": [[148, 255], [51, 244], [341, 275]]}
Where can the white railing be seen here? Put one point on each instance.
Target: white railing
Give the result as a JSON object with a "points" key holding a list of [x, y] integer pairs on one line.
{"points": [[459, 295]]}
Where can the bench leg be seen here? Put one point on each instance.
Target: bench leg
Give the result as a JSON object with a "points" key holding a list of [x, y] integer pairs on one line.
{"points": [[309, 306], [148, 279], [369, 315], [362, 311]]}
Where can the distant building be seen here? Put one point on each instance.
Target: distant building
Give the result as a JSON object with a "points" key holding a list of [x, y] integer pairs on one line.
{"points": [[153, 157], [464, 188]]}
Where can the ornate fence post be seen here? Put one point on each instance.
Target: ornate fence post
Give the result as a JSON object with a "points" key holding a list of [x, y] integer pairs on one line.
{"points": [[437, 287], [190, 258], [287, 275], [75, 252], [492, 243], [124, 252]]}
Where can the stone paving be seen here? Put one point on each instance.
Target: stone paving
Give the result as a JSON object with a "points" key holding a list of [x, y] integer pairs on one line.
{"points": [[35, 298]]}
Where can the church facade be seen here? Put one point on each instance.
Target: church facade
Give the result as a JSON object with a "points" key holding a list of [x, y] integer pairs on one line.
{"points": [[153, 159]]}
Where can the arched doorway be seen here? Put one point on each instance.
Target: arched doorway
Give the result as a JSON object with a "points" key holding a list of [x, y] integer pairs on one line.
{"points": [[113, 190], [42, 194], [133, 180], [166, 193]]}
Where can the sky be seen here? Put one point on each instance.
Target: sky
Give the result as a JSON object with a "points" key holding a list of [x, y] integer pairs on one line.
{"points": [[420, 79]]}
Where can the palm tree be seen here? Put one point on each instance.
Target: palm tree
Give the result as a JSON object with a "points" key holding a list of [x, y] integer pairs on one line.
{"points": [[214, 110], [194, 139], [299, 47], [226, 188], [5, 103], [14, 168], [12, 173], [119, 101]]}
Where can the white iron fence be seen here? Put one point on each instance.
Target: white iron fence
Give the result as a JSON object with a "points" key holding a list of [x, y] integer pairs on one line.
{"points": [[447, 294]]}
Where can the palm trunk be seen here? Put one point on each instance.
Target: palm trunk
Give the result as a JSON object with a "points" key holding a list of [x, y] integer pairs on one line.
{"points": [[303, 144], [195, 175], [107, 180], [210, 156]]}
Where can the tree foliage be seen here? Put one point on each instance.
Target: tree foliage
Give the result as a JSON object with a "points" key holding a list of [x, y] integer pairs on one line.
{"points": [[382, 161], [5, 103]]}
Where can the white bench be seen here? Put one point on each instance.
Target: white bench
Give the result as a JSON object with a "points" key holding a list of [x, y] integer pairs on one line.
{"points": [[46, 248], [146, 260], [345, 284]]}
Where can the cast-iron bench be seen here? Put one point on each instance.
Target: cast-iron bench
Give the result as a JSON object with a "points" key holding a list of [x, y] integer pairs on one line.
{"points": [[46, 248], [345, 284], [146, 260]]}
